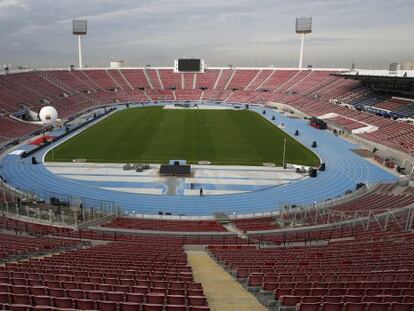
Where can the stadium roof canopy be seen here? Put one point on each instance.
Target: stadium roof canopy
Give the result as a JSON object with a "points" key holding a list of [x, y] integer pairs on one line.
{"points": [[400, 82]]}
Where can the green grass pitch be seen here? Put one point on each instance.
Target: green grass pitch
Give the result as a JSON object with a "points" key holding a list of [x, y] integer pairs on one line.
{"points": [[156, 135]]}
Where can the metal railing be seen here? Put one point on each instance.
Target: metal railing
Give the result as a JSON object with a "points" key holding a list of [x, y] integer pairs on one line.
{"points": [[52, 208]]}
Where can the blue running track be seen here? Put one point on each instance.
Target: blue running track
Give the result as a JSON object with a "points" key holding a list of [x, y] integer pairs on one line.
{"points": [[344, 170]]}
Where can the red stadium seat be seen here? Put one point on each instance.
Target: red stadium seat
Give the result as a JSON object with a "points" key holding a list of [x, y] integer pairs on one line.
{"points": [[42, 300], [57, 292], [18, 299], [197, 301], [175, 300], [308, 307], [401, 307], [39, 290], [115, 296], [4, 297], [85, 304], [355, 306], [289, 300], [63, 302], [95, 295], [107, 306], [135, 297], [129, 306], [152, 307], [378, 306], [75, 293], [332, 306], [154, 298]]}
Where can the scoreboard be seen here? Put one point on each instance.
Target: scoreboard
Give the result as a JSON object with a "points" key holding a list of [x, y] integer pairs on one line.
{"points": [[189, 65]]}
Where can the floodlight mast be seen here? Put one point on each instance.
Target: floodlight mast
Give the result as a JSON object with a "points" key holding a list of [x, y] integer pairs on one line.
{"points": [[303, 27], [80, 52], [80, 29]]}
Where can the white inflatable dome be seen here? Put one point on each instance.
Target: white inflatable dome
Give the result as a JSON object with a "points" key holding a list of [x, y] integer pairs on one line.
{"points": [[48, 114]]}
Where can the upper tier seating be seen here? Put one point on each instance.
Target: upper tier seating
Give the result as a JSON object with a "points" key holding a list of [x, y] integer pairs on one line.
{"points": [[348, 124], [312, 92], [119, 78], [170, 79], [136, 78], [187, 94], [102, 78], [260, 78], [189, 80], [207, 79], [241, 79], [394, 104], [277, 79]]}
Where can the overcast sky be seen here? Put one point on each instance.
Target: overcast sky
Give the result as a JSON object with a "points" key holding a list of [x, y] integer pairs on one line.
{"points": [[371, 33]]}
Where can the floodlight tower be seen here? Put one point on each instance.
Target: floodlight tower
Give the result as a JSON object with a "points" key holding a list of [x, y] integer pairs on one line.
{"points": [[80, 27], [303, 27]]}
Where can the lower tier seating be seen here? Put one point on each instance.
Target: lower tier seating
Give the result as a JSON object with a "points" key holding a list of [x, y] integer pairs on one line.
{"points": [[165, 225], [117, 276]]}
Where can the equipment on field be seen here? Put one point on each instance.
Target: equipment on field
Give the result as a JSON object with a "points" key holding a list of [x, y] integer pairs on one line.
{"points": [[322, 167], [48, 115], [313, 172], [318, 123], [175, 170], [360, 185]]}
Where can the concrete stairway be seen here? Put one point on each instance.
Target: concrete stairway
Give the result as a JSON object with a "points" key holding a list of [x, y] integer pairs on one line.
{"points": [[232, 228], [222, 291]]}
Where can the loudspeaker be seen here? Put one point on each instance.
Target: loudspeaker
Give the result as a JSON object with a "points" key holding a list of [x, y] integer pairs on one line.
{"points": [[313, 173], [322, 167], [401, 170]]}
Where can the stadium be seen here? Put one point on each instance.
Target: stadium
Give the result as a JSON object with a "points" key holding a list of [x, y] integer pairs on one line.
{"points": [[194, 187]]}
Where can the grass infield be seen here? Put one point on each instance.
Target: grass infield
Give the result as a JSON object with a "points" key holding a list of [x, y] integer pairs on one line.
{"points": [[155, 135]]}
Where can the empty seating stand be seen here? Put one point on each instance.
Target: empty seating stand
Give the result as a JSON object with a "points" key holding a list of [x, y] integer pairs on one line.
{"points": [[118, 276], [372, 274], [166, 225], [13, 246], [42, 229], [310, 91]]}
